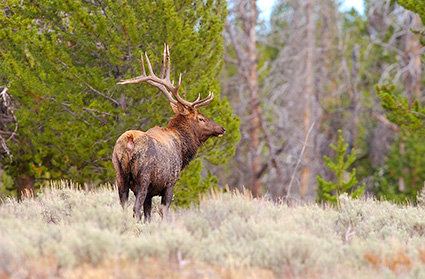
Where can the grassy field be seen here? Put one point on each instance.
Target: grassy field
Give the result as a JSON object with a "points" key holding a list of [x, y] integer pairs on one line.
{"points": [[66, 233]]}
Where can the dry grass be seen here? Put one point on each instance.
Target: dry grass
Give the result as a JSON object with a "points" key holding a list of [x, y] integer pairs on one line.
{"points": [[66, 233], [149, 268]]}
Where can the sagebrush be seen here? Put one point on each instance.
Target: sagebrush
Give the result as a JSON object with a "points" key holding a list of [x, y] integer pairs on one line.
{"points": [[74, 229]]}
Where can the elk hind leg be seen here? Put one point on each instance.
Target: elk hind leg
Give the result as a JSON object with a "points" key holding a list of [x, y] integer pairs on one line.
{"points": [[166, 199], [141, 190], [147, 208], [123, 185], [122, 180]]}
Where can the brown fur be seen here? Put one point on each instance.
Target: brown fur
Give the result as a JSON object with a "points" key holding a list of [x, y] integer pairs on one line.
{"points": [[160, 135], [149, 163]]}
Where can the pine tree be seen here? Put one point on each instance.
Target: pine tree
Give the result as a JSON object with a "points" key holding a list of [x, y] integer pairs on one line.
{"points": [[399, 109], [409, 116], [403, 174], [62, 59], [330, 191]]}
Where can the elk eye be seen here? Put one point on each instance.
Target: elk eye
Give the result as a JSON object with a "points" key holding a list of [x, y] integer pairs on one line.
{"points": [[201, 119]]}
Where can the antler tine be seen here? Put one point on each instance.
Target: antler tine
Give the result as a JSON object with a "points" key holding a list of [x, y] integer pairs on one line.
{"points": [[142, 62], [149, 65], [203, 102], [164, 57], [168, 71], [177, 96], [180, 81]]}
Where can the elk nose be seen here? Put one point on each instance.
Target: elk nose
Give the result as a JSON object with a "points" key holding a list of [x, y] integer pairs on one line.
{"points": [[222, 132]]}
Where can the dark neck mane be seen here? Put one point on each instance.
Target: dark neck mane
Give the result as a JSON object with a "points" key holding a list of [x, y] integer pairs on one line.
{"points": [[188, 140]]}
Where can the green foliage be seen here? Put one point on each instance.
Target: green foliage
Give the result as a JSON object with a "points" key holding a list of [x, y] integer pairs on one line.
{"points": [[76, 229], [330, 191], [62, 59], [6, 185], [194, 186], [403, 175], [417, 6], [401, 111], [408, 115]]}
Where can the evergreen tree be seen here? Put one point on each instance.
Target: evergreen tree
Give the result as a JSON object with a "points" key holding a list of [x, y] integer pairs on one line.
{"points": [[401, 110], [409, 116], [402, 176], [61, 61], [330, 191]]}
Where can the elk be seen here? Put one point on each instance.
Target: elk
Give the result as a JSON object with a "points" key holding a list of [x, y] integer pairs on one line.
{"points": [[149, 163]]}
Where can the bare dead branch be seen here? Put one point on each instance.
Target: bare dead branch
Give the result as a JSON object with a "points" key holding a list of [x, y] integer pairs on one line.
{"points": [[95, 116], [6, 148], [101, 94], [275, 161], [385, 121], [288, 193], [268, 163], [102, 112], [7, 104], [97, 92]]}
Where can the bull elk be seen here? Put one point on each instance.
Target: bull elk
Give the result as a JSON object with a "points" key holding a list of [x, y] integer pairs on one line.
{"points": [[149, 163]]}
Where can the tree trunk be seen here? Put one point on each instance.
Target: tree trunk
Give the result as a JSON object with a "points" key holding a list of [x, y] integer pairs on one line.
{"points": [[308, 94], [412, 56], [243, 40], [354, 96], [254, 106]]}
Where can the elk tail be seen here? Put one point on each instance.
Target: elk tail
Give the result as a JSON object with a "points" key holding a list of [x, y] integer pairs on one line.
{"points": [[130, 145]]}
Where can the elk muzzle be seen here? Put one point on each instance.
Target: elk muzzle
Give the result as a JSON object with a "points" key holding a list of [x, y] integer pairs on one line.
{"points": [[221, 132]]}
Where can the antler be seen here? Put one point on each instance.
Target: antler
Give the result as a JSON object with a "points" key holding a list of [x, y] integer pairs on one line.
{"points": [[163, 82]]}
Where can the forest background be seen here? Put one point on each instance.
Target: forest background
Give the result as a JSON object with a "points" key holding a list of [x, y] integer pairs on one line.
{"points": [[288, 85]]}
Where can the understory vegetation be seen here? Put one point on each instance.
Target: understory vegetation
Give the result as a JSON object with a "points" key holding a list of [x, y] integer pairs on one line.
{"points": [[68, 233]]}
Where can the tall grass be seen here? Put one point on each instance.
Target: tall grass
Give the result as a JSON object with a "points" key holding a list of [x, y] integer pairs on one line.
{"points": [[66, 229]]}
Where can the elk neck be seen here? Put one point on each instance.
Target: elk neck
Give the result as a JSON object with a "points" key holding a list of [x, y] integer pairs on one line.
{"points": [[187, 137]]}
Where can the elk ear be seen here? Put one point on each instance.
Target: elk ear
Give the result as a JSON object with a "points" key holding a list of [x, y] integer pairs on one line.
{"points": [[180, 109], [174, 108]]}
